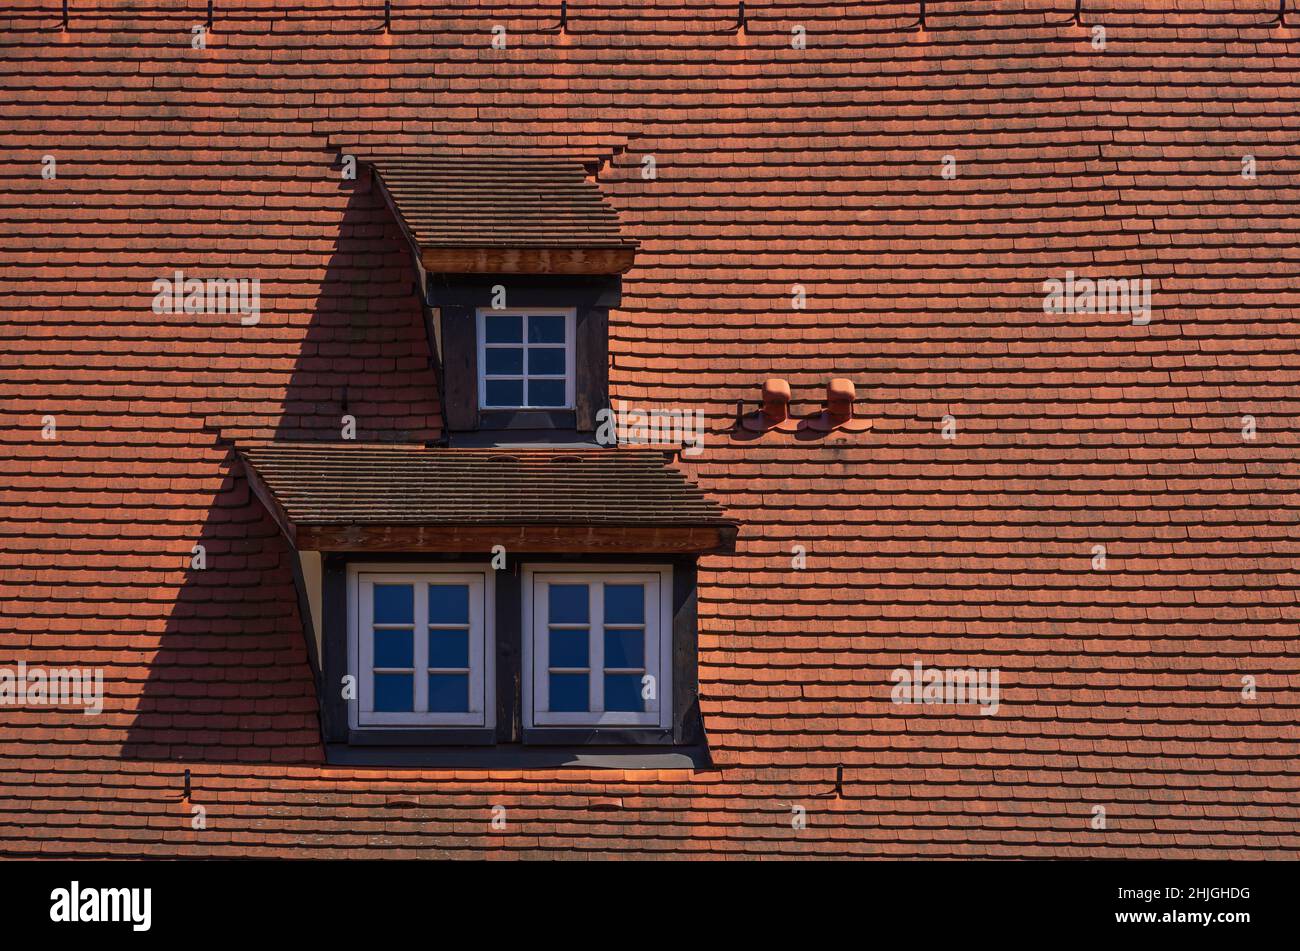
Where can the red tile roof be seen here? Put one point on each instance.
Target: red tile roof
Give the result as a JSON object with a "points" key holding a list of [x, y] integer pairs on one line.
{"points": [[778, 170]]}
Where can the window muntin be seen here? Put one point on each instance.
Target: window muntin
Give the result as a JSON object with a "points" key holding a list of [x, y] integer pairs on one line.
{"points": [[421, 643], [526, 359], [598, 647]]}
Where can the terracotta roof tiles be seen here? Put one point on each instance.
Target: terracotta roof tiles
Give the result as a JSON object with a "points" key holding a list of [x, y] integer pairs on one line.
{"points": [[323, 485], [779, 169], [477, 200]]}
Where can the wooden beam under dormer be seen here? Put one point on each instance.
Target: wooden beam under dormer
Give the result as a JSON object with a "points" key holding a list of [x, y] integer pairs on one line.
{"points": [[508, 260], [553, 538]]}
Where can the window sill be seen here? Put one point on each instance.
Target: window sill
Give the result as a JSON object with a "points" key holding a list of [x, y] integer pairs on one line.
{"points": [[597, 736], [442, 736], [514, 756], [548, 419]]}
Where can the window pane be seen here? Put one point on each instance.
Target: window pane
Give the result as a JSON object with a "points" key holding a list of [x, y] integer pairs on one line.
{"points": [[568, 648], [568, 693], [624, 604], [624, 649], [449, 648], [545, 392], [544, 361], [394, 693], [394, 649], [394, 604], [623, 693], [507, 361], [568, 604], [448, 604], [500, 328], [504, 393], [448, 693], [546, 329]]}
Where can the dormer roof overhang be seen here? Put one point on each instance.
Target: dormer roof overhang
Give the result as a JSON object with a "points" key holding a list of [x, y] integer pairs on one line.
{"points": [[333, 497], [504, 214]]}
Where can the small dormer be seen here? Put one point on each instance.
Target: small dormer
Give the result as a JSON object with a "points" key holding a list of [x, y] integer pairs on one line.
{"points": [[520, 260]]}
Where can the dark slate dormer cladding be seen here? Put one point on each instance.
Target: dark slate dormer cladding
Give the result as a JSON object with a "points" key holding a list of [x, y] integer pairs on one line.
{"points": [[456, 300]]}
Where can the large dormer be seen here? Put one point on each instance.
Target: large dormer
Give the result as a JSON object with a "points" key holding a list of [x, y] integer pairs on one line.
{"points": [[526, 594]]}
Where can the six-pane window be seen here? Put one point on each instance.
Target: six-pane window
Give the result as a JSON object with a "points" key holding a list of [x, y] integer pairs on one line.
{"points": [[599, 649], [525, 359], [422, 643]]}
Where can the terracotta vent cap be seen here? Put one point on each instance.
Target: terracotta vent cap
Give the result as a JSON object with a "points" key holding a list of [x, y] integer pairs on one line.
{"points": [[775, 412], [841, 394]]}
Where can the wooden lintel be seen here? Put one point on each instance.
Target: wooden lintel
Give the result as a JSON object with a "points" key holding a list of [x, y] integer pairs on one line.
{"points": [[506, 260], [560, 539]]}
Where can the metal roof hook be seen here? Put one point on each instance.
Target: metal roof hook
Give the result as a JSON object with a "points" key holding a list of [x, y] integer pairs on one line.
{"points": [[740, 19], [563, 25]]}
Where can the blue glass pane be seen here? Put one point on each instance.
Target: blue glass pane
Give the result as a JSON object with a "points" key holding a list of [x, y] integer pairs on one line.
{"points": [[394, 693], [449, 648], [500, 328], [504, 393], [545, 362], [568, 693], [545, 392], [568, 604], [624, 604], [623, 693], [546, 329], [504, 361], [448, 604], [394, 649], [624, 649], [568, 648], [394, 604], [449, 693]]}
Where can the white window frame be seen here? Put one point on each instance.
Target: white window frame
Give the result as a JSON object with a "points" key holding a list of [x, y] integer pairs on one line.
{"points": [[570, 316], [658, 580], [482, 645]]}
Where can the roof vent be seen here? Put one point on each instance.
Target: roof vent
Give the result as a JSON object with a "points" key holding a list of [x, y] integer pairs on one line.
{"points": [[775, 413], [838, 415]]}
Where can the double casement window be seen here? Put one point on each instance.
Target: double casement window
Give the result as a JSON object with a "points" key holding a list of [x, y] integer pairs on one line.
{"points": [[526, 359], [596, 647], [421, 648]]}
